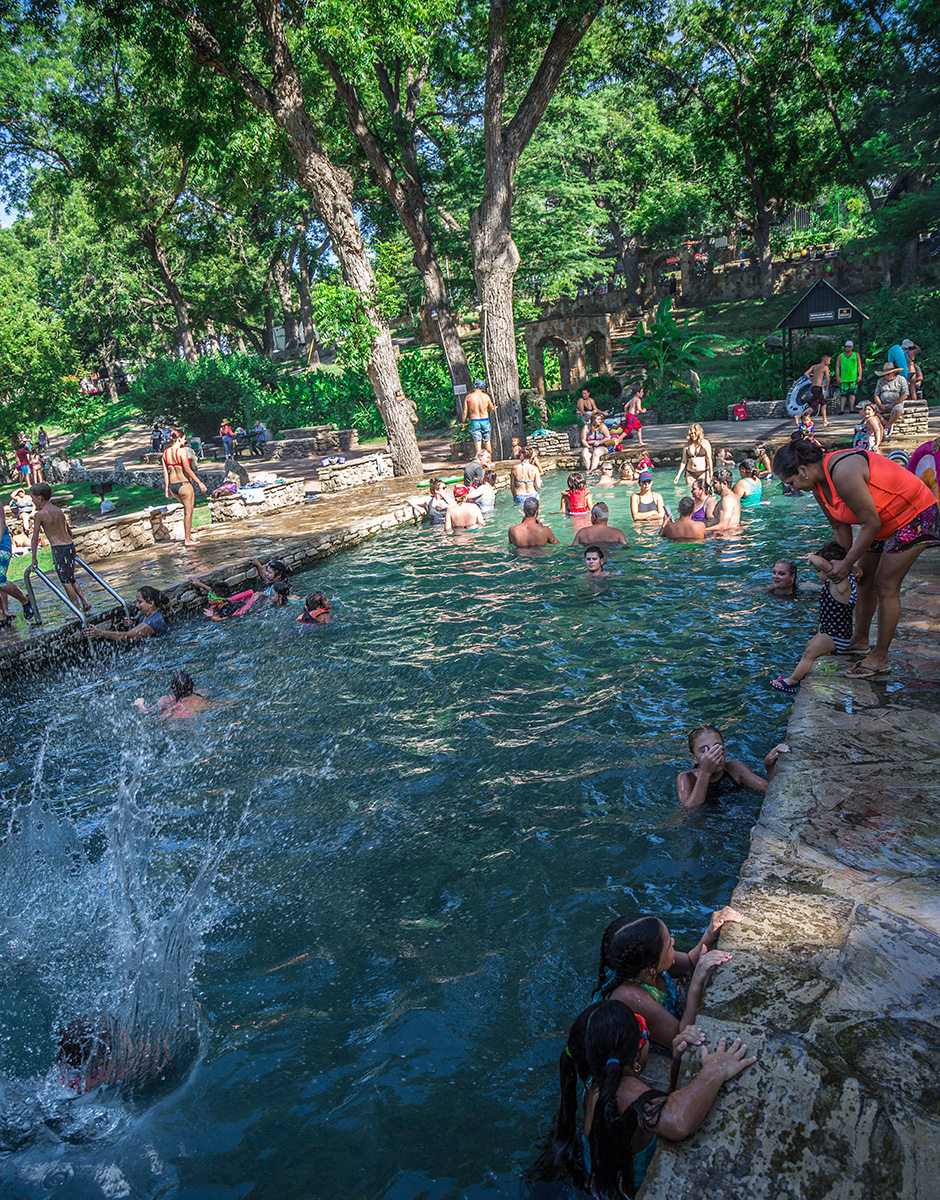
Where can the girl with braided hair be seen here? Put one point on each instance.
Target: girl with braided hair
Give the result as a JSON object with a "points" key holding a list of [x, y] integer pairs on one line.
{"points": [[639, 964], [607, 1153]]}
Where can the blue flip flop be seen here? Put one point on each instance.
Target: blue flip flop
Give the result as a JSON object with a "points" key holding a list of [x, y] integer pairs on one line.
{"points": [[780, 685]]}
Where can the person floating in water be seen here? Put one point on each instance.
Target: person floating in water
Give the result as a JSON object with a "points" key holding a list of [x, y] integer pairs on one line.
{"points": [[316, 610], [221, 608], [836, 615], [639, 962], [714, 774], [594, 562], [152, 605], [608, 1151], [182, 701], [684, 528]]}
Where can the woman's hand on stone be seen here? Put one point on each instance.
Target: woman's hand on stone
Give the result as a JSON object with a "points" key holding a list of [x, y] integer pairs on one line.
{"points": [[710, 960], [773, 755], [731, 1060], [687, 1038], [719, 918]]}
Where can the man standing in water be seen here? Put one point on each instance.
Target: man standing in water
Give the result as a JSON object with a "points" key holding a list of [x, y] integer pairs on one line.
{"points": [[463, 514], [728, 510], [530, 531], [477, 407], [684, 529], [600, 533]]}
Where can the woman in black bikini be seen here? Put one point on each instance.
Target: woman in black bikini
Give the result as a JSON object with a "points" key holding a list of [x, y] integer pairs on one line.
{"points": [[178, 479], [715, 775]]}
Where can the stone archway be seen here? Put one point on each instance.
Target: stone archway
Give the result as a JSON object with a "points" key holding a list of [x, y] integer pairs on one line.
{"points": [[556, 346], [597, 353]]}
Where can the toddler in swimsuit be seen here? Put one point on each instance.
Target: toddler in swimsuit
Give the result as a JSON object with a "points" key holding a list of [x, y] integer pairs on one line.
{"points": [[836, 617]]}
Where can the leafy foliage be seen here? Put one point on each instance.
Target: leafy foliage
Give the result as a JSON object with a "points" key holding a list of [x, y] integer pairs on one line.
{"points": [[668, 353]]}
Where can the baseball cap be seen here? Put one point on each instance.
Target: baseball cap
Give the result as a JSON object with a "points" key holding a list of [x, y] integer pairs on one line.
{"points": [[460, 489], [479, 383], [848, 343], [645, 476]]}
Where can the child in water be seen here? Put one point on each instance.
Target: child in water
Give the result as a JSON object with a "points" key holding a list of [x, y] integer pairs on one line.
{"points": [[607, 1152], [316, 610], [183, 699], [639, 962], [714, 775], [276, 577], [836, 616], [576, 502]]}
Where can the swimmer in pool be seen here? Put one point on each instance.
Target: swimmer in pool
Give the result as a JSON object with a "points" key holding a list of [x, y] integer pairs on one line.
{"points": [[276, 578], [316, 610], [714, 774], [182, 701], [593, 562], [221, 608]]}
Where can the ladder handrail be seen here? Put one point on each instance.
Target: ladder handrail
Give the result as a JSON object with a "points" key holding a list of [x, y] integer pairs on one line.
{"points": [[56, 590], [103, 583]]}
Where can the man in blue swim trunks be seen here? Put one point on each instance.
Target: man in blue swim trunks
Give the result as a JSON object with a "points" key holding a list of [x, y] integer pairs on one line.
{"points": [[477, 407]]}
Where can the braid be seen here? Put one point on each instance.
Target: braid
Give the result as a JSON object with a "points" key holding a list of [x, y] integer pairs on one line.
{"points": [[629, 945]]}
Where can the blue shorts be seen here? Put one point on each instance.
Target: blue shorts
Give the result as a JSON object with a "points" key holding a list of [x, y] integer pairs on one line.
{"points": [[480, 429], [6, 553]]}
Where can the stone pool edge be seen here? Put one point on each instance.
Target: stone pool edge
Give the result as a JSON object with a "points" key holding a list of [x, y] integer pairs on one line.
{"points": [[835, 981], [65, 644]]}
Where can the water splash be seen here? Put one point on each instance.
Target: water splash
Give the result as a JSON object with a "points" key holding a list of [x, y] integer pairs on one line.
{"points": [[96, 966]]}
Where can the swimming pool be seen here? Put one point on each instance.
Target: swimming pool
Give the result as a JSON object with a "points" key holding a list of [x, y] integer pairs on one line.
{"points": [[450, 791]]}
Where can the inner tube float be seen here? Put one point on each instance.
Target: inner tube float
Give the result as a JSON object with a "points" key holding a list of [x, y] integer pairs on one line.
{"points": [[798, 397], [926, 466]]}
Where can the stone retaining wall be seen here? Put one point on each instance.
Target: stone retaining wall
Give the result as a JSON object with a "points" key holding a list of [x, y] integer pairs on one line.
{"points": [[555, 441], [761, 410], [276, 496], [125, 478], [354, 474], [134, 531]]}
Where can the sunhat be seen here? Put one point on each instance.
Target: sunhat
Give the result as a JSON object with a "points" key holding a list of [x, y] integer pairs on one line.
{"points": [[889, 369]]}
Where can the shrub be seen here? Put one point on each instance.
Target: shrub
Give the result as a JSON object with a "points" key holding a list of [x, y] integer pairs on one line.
{"points": [[197, 395]]}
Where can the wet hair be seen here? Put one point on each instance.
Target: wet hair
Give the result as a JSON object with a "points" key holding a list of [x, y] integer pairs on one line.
{"points": [[181, 684], [625, 466], [316, 600], [530, 454], [594, 550], [704, 487], [634, 389], [724, 476], [154, 596], [530, 507], [686, 506], [630, 945], [575, 482], [698, 731], [279, 568], [799, 452], [600, 511], [490, 478], [747, 466], [832, 552], [603, 1039], [790, 565], [41, 489]]}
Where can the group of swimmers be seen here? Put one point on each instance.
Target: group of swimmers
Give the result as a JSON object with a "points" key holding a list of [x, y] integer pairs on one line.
{"points": [[605, 1145]]}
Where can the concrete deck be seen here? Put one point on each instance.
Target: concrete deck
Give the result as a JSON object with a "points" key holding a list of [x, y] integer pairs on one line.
{"points": [[835, 981]]}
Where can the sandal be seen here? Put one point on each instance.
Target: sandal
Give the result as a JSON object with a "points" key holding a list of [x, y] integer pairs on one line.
{"points": [[780, 684], [861, 671]]}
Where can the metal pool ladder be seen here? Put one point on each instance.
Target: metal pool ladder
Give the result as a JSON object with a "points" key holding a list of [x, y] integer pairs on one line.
{"points": [[54, 587]]}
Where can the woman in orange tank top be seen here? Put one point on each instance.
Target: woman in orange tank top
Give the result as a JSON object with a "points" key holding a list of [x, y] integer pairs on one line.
{"points": [[897, 516]]}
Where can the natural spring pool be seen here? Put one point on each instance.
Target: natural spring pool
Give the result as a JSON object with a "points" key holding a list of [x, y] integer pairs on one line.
{"points": [[445, 795]]}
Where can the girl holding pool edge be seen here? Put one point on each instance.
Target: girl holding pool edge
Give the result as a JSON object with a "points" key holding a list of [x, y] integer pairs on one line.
{"points": [[714, 774]]}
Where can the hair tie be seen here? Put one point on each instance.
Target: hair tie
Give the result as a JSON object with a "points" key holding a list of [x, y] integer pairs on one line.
{"points": [[567, 1051], [612, 1062]]}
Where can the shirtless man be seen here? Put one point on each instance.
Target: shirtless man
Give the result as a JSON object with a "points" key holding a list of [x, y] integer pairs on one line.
{"points": [[477, 407], [599, 532], [684, 529], [531, 531], [818, 375], [52, 521], [463, 514], [727, 513]]}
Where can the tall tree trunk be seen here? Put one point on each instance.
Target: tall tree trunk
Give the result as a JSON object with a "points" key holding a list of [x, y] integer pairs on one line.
{"points": [[212, 338], [267, 339], [405, 191], [306, 305], [241, 343], [106, 356], [330, 188], [286, 293], [762, 238], [151, 240], [495, 256]]}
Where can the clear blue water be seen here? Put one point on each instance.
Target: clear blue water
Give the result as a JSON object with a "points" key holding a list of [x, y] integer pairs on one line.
{"points": [[450, 791]]}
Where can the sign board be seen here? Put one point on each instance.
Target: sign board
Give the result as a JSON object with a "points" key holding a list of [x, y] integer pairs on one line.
{"points": [[460, 389], [823, 316], [845, 314]]}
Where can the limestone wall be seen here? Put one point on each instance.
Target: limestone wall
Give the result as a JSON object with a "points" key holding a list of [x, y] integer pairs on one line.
{"points": [[133, 531], [276, 496], [142, 478], [354, 474]]}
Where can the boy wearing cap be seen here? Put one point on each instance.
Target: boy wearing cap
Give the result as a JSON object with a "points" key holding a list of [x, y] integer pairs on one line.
{"points": [[477, 407], [463, 514], [848, 375]]}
